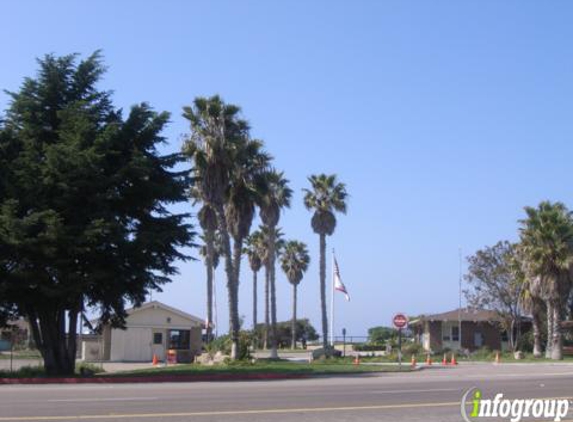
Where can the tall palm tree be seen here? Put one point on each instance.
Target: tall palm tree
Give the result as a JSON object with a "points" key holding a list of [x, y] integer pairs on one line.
{"points": [[533, 304], [277, 195], [210, 251], [276, 235], [294, 262], [547, 242], [254, 251], [208, 221], [226, 163], [326, 196]]}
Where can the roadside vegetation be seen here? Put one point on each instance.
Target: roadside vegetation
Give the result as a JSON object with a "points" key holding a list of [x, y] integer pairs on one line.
{"points": [[86, 209], [83, 369], [261, 366]]}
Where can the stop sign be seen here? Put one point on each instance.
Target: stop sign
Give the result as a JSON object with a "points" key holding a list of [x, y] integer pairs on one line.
{"points": [[400, 321]]}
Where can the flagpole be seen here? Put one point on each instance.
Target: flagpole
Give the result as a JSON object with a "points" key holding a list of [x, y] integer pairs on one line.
{"points": [[332, 304]]}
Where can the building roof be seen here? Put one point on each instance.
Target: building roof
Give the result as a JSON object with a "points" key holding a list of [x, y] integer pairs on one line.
{"points": [[156, 304], [465, 315]]}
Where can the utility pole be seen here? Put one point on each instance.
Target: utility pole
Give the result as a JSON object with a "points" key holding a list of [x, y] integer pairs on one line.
{"points": [[460, 301]]}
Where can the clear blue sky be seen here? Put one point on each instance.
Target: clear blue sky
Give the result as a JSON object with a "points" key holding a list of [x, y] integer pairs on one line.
{"points": [[444, 118]]}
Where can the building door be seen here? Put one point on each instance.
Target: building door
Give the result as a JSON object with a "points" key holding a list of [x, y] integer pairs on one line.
{"points": [[478, 339], [158, 344]]}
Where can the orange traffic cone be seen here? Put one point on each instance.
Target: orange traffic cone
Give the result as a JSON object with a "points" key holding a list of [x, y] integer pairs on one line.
{"points": [[413, 361], [155, 360], [357, 360], [428, 360], [445, 360], [497, 358], [454, 361]]}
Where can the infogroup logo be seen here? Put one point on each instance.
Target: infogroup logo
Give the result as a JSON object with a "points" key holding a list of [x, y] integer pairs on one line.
{"points": [[512, 409]]}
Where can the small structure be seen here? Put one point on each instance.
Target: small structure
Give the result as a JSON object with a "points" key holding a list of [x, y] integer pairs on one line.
{"points": [[151, 329], [16, 333], [479, 328]]}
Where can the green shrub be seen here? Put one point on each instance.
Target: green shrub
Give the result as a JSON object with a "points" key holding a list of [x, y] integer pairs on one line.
{"points": [[369, 347], [223, 344], [24, 372], [323, 354], [525, 342], [86, 369], [412, 349], [484, 353]]}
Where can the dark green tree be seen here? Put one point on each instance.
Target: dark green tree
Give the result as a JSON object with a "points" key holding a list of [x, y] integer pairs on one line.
{"points": [[496, 282], [83, 205], [304, 332], [381, 334]]}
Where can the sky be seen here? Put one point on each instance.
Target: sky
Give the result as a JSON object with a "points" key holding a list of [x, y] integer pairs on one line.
{"points": [[443, 118]]}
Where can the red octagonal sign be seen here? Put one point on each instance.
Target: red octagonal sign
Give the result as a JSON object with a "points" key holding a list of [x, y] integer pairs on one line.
{"points": [[400, 321]]}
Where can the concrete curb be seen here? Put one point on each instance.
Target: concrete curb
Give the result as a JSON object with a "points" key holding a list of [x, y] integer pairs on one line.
{"points": [[152, 379]]}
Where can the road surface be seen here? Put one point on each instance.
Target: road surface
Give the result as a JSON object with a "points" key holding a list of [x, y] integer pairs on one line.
{"points": [[429, 395]]}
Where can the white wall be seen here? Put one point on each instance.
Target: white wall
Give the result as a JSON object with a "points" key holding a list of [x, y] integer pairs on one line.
{"points": [[133, 344], [158, 318]]}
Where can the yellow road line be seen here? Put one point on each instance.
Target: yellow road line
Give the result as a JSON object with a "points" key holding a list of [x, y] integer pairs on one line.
{"points": [[227, 412]]}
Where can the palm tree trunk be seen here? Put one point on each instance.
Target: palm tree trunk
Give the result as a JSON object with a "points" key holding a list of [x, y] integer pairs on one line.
{"points": [[536, 321], [267, 307], [236, 327], [293, 322], [323, 290], [274, 353], [255, 308], [549, 330], [232, 289], [209, 239], [557, 340]]}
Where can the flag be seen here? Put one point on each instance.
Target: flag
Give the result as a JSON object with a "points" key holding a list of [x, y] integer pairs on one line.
{"points": [[338, 284]]}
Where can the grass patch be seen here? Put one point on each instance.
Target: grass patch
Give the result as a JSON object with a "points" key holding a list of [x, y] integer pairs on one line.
{"points": [[82, 370], [22, 354], [507, 357], [264, 367], [478, 356], [24, 372]]}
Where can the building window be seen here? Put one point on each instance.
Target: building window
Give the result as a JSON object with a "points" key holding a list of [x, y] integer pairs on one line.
{"points": [[157, 338], [455, 333], [504, 336], [180, 339], [445, 335]]}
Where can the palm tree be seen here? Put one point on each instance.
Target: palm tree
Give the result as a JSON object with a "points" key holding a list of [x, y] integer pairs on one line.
{"points": [[547, 242], [294, 262], [276, 235], [277, 195], [254, 251], [533, 304], [326, 197], [210, 251], [208, 221], [226, 167]]}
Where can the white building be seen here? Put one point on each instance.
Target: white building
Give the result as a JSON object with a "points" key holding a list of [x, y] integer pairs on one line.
{"points": [[152, 329]]}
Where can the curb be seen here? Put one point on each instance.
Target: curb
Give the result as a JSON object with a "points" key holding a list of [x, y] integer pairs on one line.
{"points": [[152, 379]]}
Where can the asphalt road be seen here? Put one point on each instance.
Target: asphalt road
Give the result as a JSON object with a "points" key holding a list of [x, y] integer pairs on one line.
{"points": [[429, 395]]}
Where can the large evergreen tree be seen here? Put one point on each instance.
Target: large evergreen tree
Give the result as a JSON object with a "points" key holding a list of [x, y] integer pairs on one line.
{"points": [[83, 196]]}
